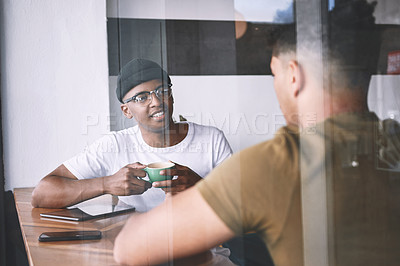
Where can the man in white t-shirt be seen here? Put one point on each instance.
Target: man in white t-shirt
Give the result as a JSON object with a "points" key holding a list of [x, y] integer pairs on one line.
{"points": [[114, 164]]}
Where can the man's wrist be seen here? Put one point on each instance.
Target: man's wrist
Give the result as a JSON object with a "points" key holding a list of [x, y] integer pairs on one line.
{"points": [[103, 185]]}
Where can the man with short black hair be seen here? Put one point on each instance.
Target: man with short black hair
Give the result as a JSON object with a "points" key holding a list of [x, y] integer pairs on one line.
{"points": [[260, 189], [114, 164]]}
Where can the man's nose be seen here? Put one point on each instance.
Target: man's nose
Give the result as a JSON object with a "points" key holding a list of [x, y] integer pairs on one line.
{"points": [[155, 101]]}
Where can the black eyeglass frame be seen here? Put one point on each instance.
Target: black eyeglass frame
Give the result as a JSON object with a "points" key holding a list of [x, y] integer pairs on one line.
{"points": [[149, 92]]}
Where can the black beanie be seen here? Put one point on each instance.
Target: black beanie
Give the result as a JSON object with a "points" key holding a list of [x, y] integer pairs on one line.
{"points": [[136, 72]]}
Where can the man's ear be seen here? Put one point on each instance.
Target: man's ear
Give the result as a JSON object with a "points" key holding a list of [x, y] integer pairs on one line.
{"points": [[296, 77], [125, 110]]}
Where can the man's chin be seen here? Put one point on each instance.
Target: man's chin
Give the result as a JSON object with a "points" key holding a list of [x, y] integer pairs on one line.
{"points": [[161, 126]]}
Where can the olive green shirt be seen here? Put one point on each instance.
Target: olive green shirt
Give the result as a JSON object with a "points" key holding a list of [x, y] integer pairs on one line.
{"points": [[259, 190]]}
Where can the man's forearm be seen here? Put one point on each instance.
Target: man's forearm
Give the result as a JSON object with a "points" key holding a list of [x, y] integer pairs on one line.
{"points": [[59, 192], [182, 226]]}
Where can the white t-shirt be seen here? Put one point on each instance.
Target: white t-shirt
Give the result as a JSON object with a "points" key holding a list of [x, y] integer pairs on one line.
{"points": [[201, 150]]}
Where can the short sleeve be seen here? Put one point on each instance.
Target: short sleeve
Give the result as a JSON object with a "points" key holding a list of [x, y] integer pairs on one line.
{"points": [[221, 189], [253, 190], [96, 160], [222, 148]]}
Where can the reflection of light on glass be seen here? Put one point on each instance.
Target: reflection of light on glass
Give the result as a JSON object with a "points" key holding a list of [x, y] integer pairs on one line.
{"points": [[393, 114], [284, 15], [261, 10], [388, 143], [279, 11], [331, 4]]}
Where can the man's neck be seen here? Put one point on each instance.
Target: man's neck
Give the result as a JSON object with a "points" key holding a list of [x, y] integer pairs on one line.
{"points": [[349, 105], [317, 109], [170, 136]]}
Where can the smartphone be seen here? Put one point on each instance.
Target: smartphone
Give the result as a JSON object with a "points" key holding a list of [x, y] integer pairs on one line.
{"points": [[69, 235]]}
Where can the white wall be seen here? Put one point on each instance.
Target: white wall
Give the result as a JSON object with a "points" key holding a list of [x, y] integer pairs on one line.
{"points": [[54, 83], [244, 107], [171, 9], [254, 10]]}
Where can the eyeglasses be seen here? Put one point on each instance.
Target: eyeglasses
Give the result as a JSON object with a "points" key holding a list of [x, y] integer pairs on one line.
{"points": [[163, 93]]}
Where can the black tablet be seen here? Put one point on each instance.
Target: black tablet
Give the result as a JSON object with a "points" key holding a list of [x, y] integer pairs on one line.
{"points": [[76, 214]]}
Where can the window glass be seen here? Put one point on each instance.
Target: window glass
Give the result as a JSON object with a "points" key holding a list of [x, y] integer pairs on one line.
{"points": [[218, 55]]}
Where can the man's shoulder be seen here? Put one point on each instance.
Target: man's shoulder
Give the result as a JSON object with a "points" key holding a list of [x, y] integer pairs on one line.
{"points": [[284, 143], [204, 129], [126, 134], [127, 131]]}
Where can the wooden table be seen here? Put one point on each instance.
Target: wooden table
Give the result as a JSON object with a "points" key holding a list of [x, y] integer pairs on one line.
{"points": [[75, 253]]}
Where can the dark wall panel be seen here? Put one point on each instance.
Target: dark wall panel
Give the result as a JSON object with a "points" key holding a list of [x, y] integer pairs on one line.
{"points": [[199, 47], [191, 47], [134, 38]]}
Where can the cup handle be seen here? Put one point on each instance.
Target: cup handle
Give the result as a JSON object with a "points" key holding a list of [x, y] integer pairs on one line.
{"points": [[145, 169]]}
